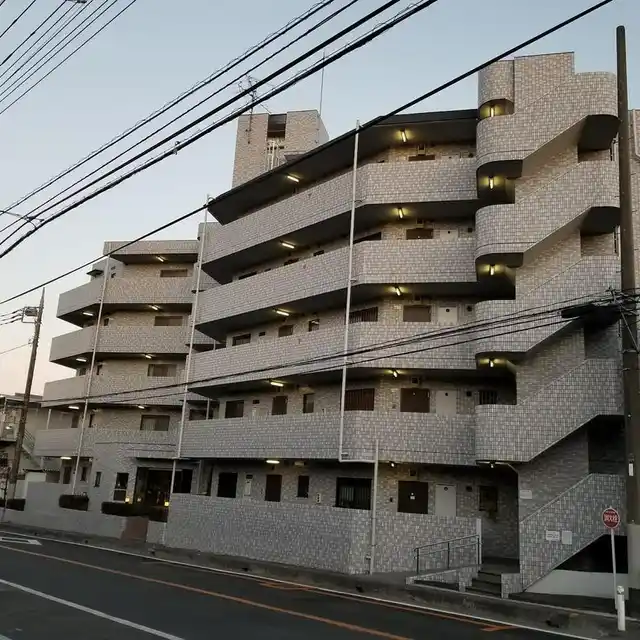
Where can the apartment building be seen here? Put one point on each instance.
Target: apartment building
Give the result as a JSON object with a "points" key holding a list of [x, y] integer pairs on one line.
{"points": [[464, 421]]}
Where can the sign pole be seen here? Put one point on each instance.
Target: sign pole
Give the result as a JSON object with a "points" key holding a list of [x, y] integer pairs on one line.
{"points": [[611, 520], [613, 561]]}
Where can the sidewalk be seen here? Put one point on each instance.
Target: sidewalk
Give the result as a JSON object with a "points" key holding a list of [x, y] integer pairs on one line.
{"points": [[589, 624]]}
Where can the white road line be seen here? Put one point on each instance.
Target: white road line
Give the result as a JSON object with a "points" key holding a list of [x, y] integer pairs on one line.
{"points": [[357, 596], [93, 612]]}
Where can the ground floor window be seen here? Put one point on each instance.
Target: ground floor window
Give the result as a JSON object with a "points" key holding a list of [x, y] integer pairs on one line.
{"points": [[227, 484], [353, 493]]}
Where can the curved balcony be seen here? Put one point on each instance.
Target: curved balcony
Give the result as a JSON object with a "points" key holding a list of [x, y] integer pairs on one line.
{"points": [[585, 196], [114, 341], [318, 214], [423, 267], [54, 443], [520, 432], [73, 390], [426, 438], [591, 275], [495, 82], [247, 363], [582, 110], [125, 293]]}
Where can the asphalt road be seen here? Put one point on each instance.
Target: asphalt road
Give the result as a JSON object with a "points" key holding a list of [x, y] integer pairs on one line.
{"points": [[56, 591]]}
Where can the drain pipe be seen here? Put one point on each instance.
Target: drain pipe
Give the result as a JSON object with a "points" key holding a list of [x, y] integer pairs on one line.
{"points": [[374, 508], [187, 368], [85, 409], [352, 227]]}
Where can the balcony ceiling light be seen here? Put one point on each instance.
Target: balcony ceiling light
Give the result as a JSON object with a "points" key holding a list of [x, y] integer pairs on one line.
{"points": [[491, 183], [403, 135], [74, 407], [148, 356], [397, 291], [394, 373], [400, 211], [276, 383], [155, 307], [65, 457], [273, 461], [492, 269], [293, 178], [287, 245], [282, 312], [89, 314], [161, 259], [141, 406], [81, 359]]}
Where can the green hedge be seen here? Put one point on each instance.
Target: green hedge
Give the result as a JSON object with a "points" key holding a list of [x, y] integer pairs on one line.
{"points": [[130, 510], [77, 502]]}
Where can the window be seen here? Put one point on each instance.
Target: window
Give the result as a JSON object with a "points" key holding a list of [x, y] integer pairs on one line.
{"points": [[105, 321], [279, 406], [154, 423], [183, 481], [245, 338], [419, 233], [487, 396], [75, 420], [162, 370], [314, 324], [66, 474], [414, 400], [120, 489], [359, 400], [353, 493], [84, 472], [167, 321], [210, 412], [291, 261], [234, 409], [285, 330], [174, 273], [303, 487], [364, 315], [308, 400], [97, 479], [82, 371], [413, 496], [273, 488], [92, 419], [99, 368], [227, 484], [488, 499], [416, 313], [370, 237]]}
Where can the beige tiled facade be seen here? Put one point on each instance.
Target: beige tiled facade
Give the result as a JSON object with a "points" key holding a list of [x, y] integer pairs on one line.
{"points": [[471, 237]]}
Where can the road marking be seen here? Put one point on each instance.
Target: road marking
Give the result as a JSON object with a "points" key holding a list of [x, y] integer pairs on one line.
{"points": [[14, 540], [432, 611], [184, 587], [93, 612], [497, 628], [281, 587]]}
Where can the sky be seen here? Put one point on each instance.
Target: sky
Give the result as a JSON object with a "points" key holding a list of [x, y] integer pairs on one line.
{"points": [[159, 48]]}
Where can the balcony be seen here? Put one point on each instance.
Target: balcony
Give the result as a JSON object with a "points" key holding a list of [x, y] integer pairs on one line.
{"points": [[114, 341], [591, 275], [146, 251], [585, 197], [426, 267], [315, 215], [583, 110], [243, 364], [54, 443], [73, 390], [520, 432], [426, 438], [125, 293]]}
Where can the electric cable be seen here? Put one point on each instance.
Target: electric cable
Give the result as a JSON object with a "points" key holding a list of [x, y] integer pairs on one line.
{"points": [[273, 37], [20, 346], [17, 18], [356, 44], [369, 124]]}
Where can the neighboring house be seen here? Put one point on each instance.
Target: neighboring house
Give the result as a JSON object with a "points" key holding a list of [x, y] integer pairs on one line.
{"points": [[508, 437]]}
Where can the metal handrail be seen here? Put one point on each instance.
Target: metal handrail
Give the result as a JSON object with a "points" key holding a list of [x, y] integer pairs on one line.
{"points": [[447, 546]]}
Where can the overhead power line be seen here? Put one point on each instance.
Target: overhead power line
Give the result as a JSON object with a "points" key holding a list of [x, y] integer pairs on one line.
{"points": [[367, 125], [20, 346], [67, 57], [357, 43], [17, 18], [276, 35], [33, 33], [482, 328]]}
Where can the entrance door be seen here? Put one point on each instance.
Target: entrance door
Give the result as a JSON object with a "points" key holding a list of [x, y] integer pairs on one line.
{"points": [[446, 500], [413, 496], [273, 487], [446, 402], [447, 314]]}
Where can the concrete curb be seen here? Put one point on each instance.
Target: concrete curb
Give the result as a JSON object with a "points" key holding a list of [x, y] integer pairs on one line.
{"points": [[576, 622]]}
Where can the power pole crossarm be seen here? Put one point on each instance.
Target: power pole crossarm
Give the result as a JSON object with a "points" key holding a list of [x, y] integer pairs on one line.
{"points": [[22, 423]]}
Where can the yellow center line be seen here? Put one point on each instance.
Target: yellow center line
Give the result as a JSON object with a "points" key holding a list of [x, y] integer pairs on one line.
{"points": [[222, 596]]}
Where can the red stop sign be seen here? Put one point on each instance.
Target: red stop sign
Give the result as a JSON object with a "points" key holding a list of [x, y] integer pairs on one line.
{"points": [[611, 518]]}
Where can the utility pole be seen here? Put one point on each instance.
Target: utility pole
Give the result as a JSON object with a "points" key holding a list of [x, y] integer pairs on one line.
{"points": [[630, 372], [13, 477]]}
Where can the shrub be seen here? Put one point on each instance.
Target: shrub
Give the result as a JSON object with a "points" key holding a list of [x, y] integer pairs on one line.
{"points": [[128, 510], [77, 502], [16, 504]]}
